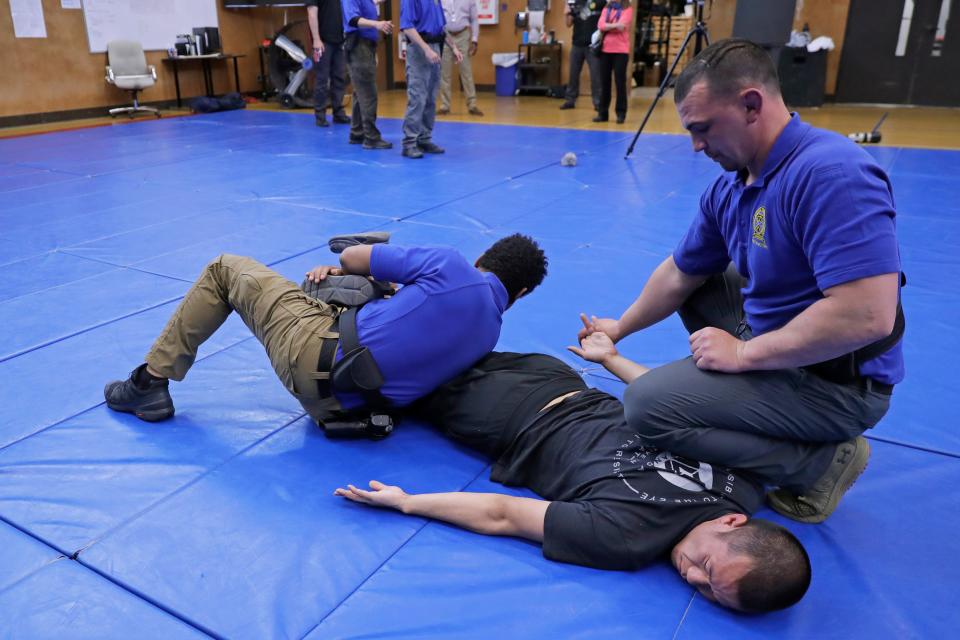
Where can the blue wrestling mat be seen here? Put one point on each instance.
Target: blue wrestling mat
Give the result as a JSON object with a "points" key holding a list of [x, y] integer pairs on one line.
{"points": [[221, 522]]}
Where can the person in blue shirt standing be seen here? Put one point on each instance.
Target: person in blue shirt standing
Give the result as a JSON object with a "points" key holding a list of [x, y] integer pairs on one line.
{"points": [[788, 282], [422, 23], [362, 28], [445, 317]]}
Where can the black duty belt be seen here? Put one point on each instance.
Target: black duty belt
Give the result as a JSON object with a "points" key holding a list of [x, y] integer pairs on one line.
{"points": [[328, 353], [430, 38]]}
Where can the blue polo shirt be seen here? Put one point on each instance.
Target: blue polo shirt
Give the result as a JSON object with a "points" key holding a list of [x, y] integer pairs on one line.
{"points": [[360, 9], [820, 214], [426, 16], [445, 317]]}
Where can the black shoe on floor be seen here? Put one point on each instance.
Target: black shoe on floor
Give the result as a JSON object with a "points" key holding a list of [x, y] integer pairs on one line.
{"points": [[568, 105], [412, 152], [429, 147], [150, 402], [620, 119], [322, 121], [356, 140], [377, 144], [600, 118], [341, 118]]}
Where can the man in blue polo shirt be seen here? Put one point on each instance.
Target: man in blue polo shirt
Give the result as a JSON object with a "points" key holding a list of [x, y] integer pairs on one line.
{"points": [[362, 28], [422, 23], [445, 317], [788, 281]]}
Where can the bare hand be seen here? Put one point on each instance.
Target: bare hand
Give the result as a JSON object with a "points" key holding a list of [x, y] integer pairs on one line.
{"points": [[385, 27], [381, 495], [433, 57], [317, 50], [320, 273], [458, 54], [596, 347], [472, 51], [716, 350], [608, 326]]}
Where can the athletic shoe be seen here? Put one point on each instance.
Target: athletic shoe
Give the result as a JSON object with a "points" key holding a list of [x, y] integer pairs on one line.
{"points": [[378, 144], [816, 505], [429, 147]]}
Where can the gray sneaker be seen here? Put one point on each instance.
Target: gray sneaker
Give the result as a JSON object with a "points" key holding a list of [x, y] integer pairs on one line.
{"points": [[816, 505]]}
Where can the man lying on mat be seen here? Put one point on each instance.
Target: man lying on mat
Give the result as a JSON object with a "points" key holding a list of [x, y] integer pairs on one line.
{"points": [[610, 502]]}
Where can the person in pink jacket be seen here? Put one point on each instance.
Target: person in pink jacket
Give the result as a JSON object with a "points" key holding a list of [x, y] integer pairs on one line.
{"points": [[615, 24]]}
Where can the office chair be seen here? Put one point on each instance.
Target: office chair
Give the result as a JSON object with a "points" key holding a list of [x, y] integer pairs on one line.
{"points": [[128, 70]]}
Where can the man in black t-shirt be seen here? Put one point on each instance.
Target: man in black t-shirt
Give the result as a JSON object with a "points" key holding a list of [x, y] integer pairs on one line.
{"points": [[609, 502], [325, 18], [583, 16]]}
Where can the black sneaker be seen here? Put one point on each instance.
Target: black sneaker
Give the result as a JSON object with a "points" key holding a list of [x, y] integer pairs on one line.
{"points": [[356, 140], [341, 118], [377, 144], [412, 152], [567, 105], [429, 147], [151, 403], [322, 121]]}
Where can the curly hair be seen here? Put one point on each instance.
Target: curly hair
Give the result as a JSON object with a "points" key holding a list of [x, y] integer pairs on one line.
{"points": [[518, 262]]}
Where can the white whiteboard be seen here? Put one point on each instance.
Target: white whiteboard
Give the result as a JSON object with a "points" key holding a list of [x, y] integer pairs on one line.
{"points": [[154, 23]]}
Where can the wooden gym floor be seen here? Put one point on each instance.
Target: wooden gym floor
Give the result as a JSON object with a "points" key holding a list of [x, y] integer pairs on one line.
{"points": [[924, 127]]}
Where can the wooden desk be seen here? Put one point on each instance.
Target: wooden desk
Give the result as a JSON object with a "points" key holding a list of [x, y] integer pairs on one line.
{"points": [[204, 61]]}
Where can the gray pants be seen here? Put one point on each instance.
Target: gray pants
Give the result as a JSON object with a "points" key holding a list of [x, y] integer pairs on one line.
{"points": [[362, 61], [578, 55], [330, 80], [423, 80], [783, 426]]}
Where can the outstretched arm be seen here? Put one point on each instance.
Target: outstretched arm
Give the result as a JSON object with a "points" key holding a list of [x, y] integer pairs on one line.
{"points": [[493, 514]]}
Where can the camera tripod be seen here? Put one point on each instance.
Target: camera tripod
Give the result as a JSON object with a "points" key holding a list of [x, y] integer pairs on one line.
{"points": [[699, 33]]}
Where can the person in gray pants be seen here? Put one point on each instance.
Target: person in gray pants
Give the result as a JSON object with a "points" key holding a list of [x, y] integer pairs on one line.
{"points": [[791, 364], [362, 34], [422, 22]]}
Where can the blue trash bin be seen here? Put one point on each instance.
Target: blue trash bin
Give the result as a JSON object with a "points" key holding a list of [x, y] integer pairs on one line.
{"points": [[506, 64]]}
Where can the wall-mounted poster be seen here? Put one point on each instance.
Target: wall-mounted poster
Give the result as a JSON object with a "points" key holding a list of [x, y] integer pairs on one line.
{"points": [[488, 11]]}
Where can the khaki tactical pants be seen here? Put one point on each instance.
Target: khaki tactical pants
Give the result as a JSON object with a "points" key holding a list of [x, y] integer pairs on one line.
{"points": [[462, 40], [290, 325]]}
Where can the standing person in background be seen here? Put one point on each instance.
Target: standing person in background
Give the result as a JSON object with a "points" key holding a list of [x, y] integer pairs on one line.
{"points": [[362, 29], [422, 22], [615, 21], [463, 27], [326, 29], [583, 16]]}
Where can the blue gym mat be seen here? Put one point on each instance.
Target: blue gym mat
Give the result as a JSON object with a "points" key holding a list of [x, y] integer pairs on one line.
{"points": [[221, 522]]}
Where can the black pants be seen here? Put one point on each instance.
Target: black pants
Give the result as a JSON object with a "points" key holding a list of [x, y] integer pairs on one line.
{"points": [[362, 60], [330, 79], [783, 426], [615, 64]]}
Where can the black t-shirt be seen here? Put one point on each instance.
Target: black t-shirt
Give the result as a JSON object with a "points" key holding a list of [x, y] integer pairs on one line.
{"points": [[329, 19], [616, 504], [586, 14]]}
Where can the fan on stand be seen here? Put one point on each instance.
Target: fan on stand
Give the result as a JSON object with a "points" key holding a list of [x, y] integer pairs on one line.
{"points": [[290, 67]]}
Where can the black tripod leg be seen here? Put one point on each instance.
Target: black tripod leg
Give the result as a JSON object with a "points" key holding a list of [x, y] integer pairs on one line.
{"points": [[664, 85]]}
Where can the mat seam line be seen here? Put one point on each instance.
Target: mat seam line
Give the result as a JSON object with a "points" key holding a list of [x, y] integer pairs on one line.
{"points": [[427, 522], [92, 407]]}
